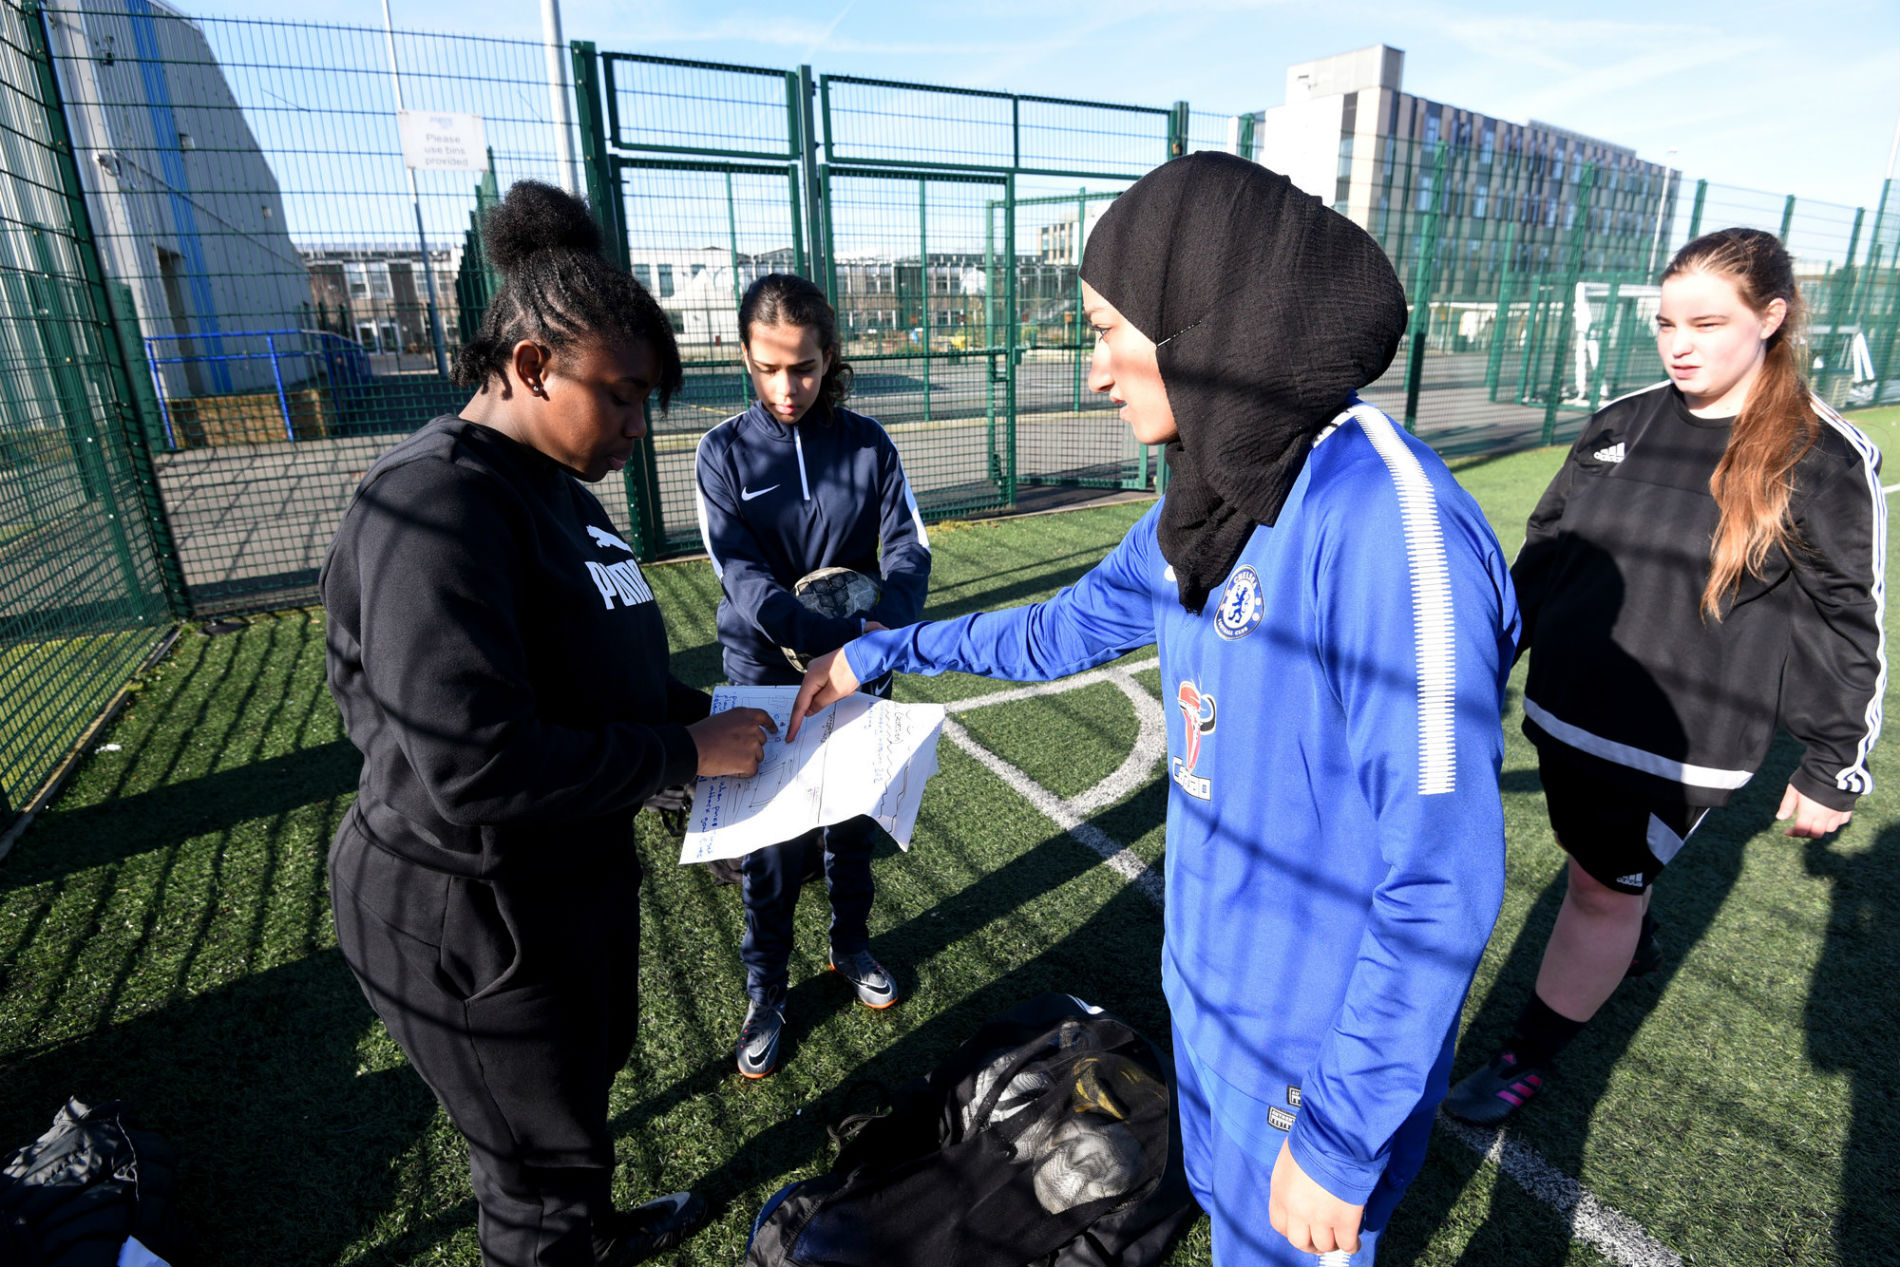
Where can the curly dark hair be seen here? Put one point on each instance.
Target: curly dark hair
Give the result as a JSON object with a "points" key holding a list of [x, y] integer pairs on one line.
{"points": [[786, 299], [558, 289]]}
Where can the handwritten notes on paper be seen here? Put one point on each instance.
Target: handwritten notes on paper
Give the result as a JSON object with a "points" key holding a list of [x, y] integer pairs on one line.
{"points": [[860, 756]]}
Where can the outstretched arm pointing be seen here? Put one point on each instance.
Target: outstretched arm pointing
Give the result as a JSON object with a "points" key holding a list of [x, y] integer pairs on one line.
{"points": [[828, 680]]}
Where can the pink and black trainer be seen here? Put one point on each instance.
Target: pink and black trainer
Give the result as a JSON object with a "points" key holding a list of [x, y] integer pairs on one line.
{"points": [[1496, 1091]]}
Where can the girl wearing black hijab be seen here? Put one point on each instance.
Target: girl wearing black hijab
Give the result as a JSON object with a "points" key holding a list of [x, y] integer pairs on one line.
{"points": [[1335, 621]]}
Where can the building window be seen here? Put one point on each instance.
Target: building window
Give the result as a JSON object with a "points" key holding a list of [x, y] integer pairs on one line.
{"points": [[367, 280], [666, 283], [643, 273], [1487, 142], [1348, 127]]}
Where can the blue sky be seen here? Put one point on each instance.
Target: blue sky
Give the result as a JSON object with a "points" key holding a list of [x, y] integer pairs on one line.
{"points": [[1764, 96]]}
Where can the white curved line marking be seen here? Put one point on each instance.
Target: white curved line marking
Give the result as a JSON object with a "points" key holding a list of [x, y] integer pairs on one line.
{"points": [[1611, 1233]]}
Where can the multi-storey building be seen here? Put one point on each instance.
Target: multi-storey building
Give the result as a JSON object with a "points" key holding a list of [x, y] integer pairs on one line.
{"points": [[377, 295], [1505, 195]]}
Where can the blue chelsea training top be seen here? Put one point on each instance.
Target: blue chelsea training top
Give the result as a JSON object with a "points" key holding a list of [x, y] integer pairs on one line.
{"points": [[1335, 842]]}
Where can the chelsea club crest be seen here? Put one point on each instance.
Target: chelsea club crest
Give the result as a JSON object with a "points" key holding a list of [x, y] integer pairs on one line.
{"points": [[1240, 607]]}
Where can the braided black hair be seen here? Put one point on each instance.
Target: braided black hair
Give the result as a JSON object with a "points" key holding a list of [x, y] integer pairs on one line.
{"points": [[786, 299], [558, 290]]}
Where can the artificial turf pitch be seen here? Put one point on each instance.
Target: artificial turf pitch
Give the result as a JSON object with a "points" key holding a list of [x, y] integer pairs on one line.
{"points": [[165, 938]]}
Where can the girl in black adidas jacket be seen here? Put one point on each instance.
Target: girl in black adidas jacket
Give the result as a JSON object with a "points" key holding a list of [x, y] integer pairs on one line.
{"points": [[1708, 563], [499, 659]]}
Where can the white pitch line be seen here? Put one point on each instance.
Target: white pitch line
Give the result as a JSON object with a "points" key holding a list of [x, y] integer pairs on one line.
{"points": [[1888, 488], [1610, 1232]]}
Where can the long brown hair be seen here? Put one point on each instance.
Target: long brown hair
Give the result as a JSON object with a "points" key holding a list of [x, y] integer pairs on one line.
{"points": [[1776, 426]]}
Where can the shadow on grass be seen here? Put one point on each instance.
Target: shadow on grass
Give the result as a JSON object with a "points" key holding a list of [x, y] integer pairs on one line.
{"points": [[285, 1144], [1687, 900], [119, 828], [1112, 959], [1851, 1029]]}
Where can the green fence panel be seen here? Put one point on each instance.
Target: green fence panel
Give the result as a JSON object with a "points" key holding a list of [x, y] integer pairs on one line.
{"points": [[83, 575], [1064, 161], [250, 194]]}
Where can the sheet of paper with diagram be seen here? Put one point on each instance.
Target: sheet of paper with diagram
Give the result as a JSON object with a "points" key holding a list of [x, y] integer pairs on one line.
{"points": [[860, 756]]}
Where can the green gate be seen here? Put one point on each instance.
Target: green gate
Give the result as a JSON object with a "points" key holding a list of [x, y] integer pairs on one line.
{"points": [[1002, 338], [695, 170], [945, 224], [924, 330]]}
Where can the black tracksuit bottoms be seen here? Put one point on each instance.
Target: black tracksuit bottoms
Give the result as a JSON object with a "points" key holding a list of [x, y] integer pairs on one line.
{"points": [[516, 1000]]}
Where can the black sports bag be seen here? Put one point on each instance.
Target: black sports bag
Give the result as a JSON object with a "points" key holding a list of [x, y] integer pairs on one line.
{"points": [[73, 1196], [1047, 1140]]}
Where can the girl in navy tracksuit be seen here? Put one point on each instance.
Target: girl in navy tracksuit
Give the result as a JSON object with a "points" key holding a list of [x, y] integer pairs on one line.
{"points": [[797, 483]]}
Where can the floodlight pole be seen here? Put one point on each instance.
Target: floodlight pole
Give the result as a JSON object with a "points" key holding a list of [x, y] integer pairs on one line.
{"points": [[1662, 201], [1893, 151], [560, 100], [415, 200]]}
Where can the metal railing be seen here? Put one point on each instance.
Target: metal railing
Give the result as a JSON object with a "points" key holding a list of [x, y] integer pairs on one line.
{"points": [[338, 362]]}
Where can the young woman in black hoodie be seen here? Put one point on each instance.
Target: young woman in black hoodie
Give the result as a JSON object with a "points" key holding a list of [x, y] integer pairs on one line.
{"points": [[1709, 563], [500, 661]]}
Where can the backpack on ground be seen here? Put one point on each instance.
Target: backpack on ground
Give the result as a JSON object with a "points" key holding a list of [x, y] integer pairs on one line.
{"points": [[74, 1196], [1047, 1140]]}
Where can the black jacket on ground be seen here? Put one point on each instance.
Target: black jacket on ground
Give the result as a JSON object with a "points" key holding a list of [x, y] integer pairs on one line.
{"points": [[498, 658], [1627, 675]]}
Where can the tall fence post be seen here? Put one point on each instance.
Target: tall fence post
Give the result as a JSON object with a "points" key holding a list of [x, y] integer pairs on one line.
{"points": [[991, 291], [641, 477], [1566, 298], [1422, 279], [602, 188], [1081, 340], [1695, 212], [795, 175], [923, 281], [1873, 291], [817, 207], [1840, 299], [1494, 362], [124, 421], [1013, 325], [1787, 219], [1178, 130]]}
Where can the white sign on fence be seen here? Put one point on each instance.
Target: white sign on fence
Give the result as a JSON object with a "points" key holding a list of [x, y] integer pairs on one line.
{"points": [[443, 142]]}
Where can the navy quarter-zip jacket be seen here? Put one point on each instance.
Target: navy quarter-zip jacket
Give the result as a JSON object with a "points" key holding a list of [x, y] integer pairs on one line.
{"points": [[777, 502]]}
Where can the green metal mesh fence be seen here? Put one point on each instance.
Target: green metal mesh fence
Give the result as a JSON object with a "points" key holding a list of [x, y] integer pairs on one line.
{"points": [[82, 557], [1054, 164], [274, 262], [249, 187], [227, 293], [1533, 284]]}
